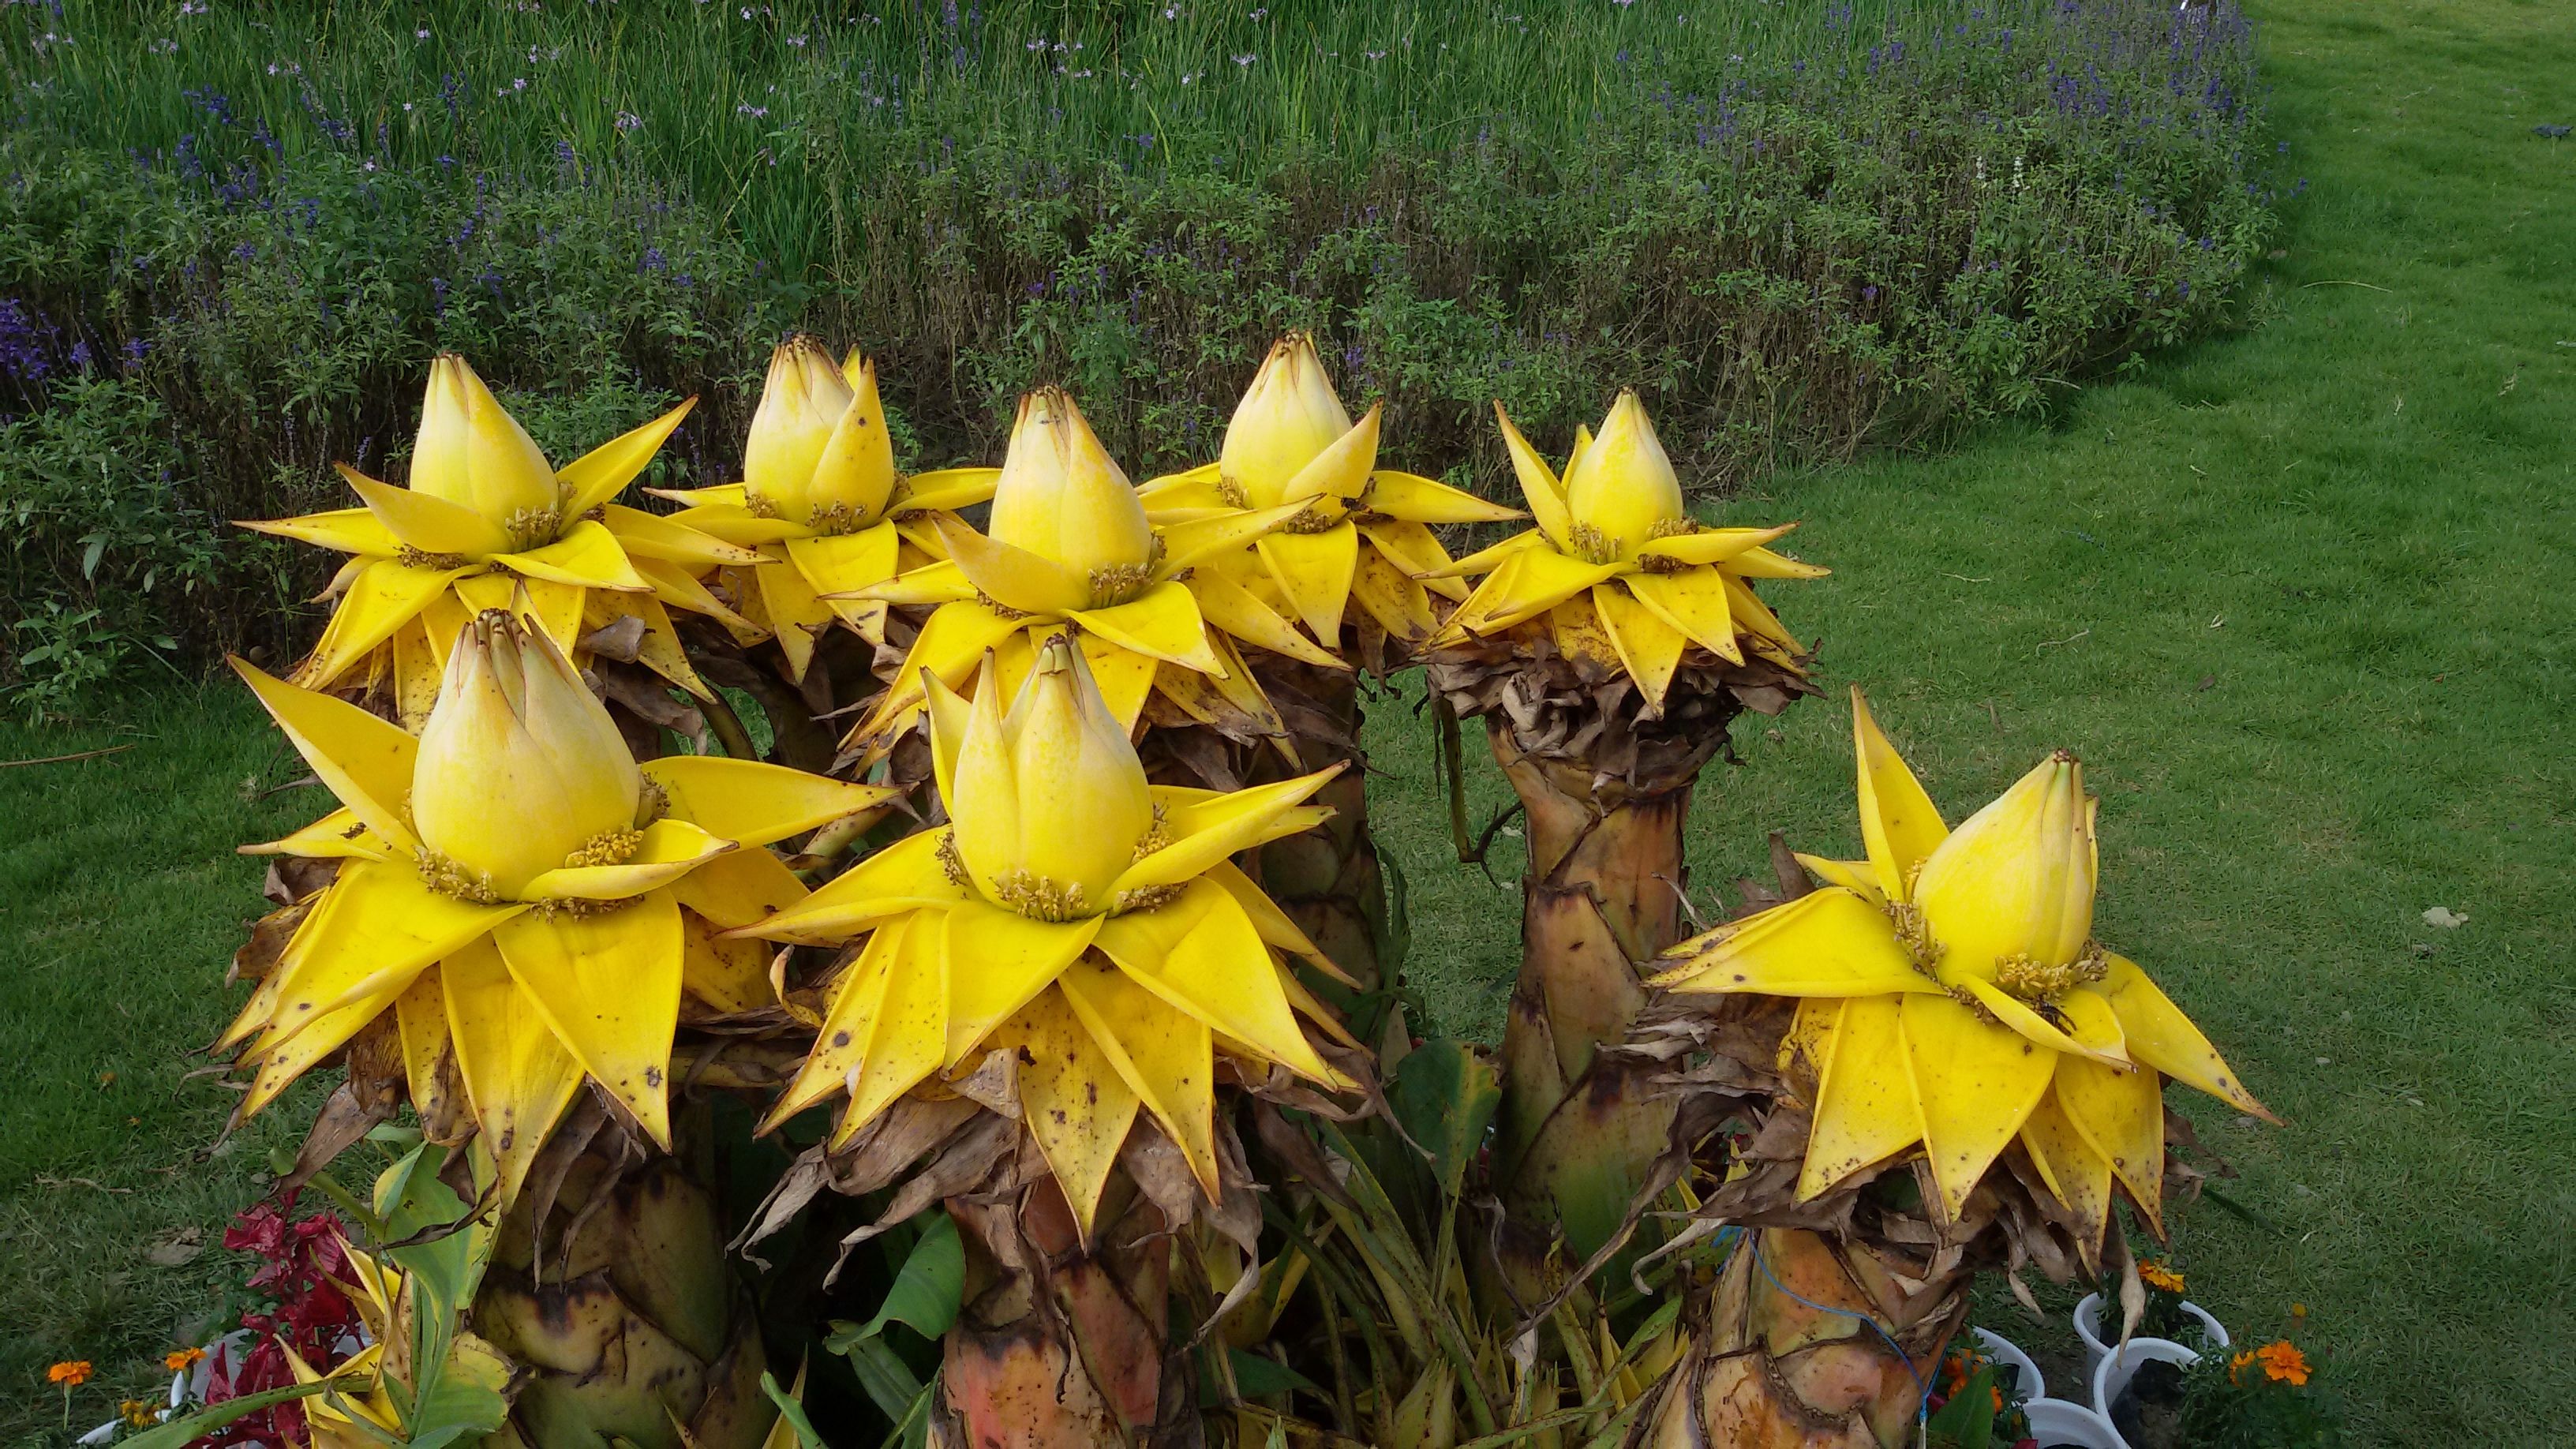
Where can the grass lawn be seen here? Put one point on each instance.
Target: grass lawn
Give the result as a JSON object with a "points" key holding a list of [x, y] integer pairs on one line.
{"points": [[2299, 597]]}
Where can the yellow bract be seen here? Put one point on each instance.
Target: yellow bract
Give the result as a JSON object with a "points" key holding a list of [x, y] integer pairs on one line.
{"points": [[561, 898], [1359, 531], [487, 524], [821, 511], [1071, 545], [1071, 913], [1954, 997], [1622, 575]]}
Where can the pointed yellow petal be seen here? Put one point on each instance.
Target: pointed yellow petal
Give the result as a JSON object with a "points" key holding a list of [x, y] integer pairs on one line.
{"points": [[733, 523], [2075, 1171], [951, 643], [670, 849], [645, 535], [1313, 571], [907, 1028], [1649, 648], [997, 962], [2161, 1036], [1416, 499], [1762, 563], [1233, 608], [1858, 876], [727, 976], [1754, 617], [2122, 1115], [945, 488], [1014, 577], [1273, 923], [609, 985], [336, 835], [1711, 545], [586, 555], [417, 671], [517, 1073], [1694, 601], [1486, 560], [1539, 486], [937, 583], [432, 525], [1976, 1085], [847, 563], [752, 802], [1399, 603], [420, 1022], [902, 878], [1190, 488], [741, 888], [1529, 583], [1865, 1111], [841, 1043], [675, 588], [1205, 834], [386, 595], [1161, 623], [348, 530], [796, 617], [1201, 954], [1077, 1104], [280, 1060], [1165, 1057], [2018, 1015], [1197, 540], [372, 931], [359, 758], [1898, 821], [2088, 1016], [1828, 942], [731, 495], [602, 473]]}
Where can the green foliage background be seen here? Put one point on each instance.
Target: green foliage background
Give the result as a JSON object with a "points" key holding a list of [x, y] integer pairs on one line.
{"points": [[230, 238]]}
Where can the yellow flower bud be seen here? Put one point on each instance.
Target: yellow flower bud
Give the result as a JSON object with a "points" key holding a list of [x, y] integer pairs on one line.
{"points": [[1062, 498], [1050, 800], [470, 451], [819, 450], [1287, 417], [2016, 880], [520, 765], [1621, 492]]}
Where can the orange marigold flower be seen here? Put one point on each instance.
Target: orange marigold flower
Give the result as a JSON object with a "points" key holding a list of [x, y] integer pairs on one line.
{"points": [[180, 1360], [2160, 1275], [2283, 1363], [71, 1373]]}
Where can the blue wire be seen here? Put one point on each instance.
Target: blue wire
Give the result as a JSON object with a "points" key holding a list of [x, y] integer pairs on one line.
{"points": [[1923, 1391]]}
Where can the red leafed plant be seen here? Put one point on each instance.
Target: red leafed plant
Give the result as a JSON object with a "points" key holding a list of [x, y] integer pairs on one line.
{"points": [[300, 1260]]}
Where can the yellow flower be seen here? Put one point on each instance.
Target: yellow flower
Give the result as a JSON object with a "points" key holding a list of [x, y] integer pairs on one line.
{"points": [[138, 1414], [1072, 913], [1070, 544], [1623, 577], [514, 883], [70, 1373], [1361, 533], [488, 524], [2158, 1275], [2283, 1363], [821, 510], [1954, 998]]}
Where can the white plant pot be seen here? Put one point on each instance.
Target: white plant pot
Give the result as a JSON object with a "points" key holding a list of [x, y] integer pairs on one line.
{"points": [[2121, 1365], [2097, 1345], [2004, 1351], [2055, 1421]]}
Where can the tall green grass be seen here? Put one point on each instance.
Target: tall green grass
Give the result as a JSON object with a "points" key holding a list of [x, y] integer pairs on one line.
{"points": [[778, 113]]}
